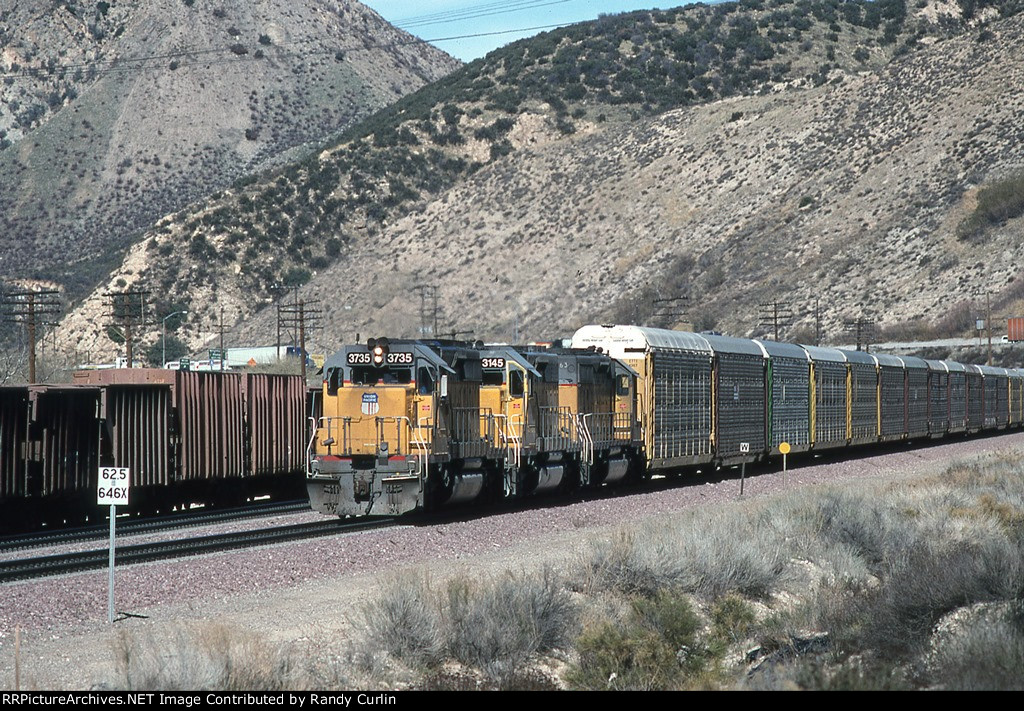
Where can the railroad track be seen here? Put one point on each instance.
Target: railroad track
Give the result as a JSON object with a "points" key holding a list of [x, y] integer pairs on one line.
{"points": [[130, 526], [25, 568]]}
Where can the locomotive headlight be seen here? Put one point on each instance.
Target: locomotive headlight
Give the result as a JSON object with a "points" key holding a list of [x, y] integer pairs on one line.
{"points": [[378, 350]]}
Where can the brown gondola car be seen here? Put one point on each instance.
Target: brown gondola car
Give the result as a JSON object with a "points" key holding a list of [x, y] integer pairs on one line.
{"points": [[185, 437]]}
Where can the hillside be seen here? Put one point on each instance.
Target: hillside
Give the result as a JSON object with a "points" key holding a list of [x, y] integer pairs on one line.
{"points": [[113, 114], [689, 143]]}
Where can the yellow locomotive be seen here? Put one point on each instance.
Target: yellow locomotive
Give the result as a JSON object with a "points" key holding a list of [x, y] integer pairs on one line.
{"points": [[414, 425]]}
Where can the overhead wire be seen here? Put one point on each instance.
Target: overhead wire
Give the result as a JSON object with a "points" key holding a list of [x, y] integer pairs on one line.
{"points": [[477, 12]]}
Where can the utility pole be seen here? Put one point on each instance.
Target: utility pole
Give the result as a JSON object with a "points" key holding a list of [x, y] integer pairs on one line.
{"points": [[220, 328], [775, 314], [863, 328], [673, 308], [280, 321], [988, 325], [428, 309], [223, 353], [129, 309], [301, 317], [817, 323], [32, 309]]}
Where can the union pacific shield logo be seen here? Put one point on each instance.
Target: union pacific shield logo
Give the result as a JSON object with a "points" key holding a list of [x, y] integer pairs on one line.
{"points": [[370, 404]]}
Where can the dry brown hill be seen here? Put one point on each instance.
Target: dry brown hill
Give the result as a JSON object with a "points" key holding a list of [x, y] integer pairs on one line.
{"points": [[850, 193], [116, 113], [821, 186]]}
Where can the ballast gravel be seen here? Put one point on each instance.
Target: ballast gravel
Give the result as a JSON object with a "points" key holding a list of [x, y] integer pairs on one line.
{"points": [[316, 588]]}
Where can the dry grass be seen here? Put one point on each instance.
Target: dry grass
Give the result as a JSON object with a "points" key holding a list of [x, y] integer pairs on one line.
{"points": [[707, 556], [853, 582], [207, 657], [496, 627]]}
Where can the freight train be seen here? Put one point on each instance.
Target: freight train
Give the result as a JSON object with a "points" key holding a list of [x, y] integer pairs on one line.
{"points": [[415, 425], [213, 438]]}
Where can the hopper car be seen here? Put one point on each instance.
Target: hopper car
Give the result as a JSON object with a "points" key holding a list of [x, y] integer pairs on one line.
{"points": [[186, 437]]}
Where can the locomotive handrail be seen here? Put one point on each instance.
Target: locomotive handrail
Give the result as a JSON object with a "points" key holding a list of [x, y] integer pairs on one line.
{"points": [[421, 457], [315, 428], [512, 443], [587, 455], [555, 423]]}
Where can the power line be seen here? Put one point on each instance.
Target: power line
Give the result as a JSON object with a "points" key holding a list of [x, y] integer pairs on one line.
{"points": [[31, 308], [473, 13]]}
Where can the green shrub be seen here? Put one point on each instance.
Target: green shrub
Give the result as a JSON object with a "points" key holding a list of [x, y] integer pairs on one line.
{"points": [[997, 202], [657, 646]]}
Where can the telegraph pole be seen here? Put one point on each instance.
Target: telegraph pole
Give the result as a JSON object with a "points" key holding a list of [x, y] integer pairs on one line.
{"points": [[988, 325], [220, 328], [129, 309], [673, 308], [817, 322], [863, 328], [428, 309], [301, 317], [223, 353], [280, 321], [32, 309], [775, 314]]}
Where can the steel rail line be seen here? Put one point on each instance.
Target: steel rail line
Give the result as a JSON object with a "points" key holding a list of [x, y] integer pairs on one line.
{"points": [[129, 526], [144, 552]]}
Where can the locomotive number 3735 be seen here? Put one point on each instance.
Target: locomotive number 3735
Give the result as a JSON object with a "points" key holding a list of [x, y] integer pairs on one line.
{"points": [[360, 358]]}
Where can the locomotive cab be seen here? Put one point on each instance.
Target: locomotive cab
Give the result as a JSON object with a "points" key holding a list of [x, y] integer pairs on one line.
{"points": [[507, 396], [382, 426]]}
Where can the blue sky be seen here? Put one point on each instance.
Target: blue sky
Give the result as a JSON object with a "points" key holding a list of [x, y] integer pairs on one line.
{"points": [[435, 19]]}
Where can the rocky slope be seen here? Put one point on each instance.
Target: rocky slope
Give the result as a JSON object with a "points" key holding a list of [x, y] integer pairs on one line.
{"points": [[849, 193], [843, 184], [116, 113]]}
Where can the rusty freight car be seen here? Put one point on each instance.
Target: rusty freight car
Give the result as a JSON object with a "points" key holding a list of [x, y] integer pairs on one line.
{"points": [[216, 438]]}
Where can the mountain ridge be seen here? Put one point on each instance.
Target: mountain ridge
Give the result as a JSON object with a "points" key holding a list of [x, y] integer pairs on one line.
{"points": [[372, 190], [173, 101]]}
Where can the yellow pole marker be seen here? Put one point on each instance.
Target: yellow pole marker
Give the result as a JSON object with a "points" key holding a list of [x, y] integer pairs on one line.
{"points": [[784, 448]]}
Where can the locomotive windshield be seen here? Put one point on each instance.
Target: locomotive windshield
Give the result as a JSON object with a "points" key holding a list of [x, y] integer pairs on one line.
{"points": [[369, 375], [494, 377]]}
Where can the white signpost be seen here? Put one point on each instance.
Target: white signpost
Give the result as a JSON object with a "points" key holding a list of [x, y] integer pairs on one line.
{"points": [[112, 489]]}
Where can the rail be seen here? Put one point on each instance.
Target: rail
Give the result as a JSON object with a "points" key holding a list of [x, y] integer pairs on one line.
{"points": [[70, 562]]}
